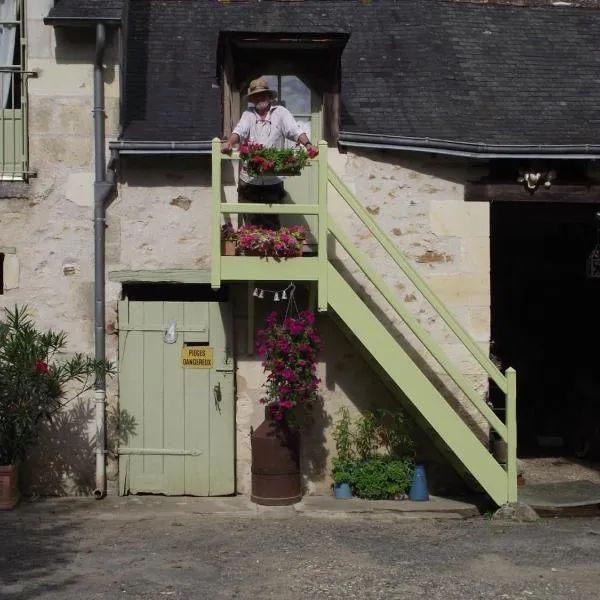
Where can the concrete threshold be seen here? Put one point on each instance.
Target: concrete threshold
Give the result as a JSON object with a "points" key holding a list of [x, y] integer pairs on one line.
{"points": [[434, 508], [139, 508]]}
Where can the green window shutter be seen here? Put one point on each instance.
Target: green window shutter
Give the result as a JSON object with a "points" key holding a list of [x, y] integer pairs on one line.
{"points": [[14, 163]]}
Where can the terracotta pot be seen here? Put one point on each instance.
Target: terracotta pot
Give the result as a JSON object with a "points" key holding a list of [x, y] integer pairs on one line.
{"points": [[9, 487], [228, 247]]}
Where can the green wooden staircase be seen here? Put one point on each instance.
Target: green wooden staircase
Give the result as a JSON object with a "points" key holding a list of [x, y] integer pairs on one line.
{"points": [[335, 293]]}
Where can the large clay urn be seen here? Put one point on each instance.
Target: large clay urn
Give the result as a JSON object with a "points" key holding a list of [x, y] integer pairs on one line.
{"points": [[276, 477]]}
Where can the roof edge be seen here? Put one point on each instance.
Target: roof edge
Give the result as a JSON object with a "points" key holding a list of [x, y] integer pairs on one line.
{"points": [[80, 21], [468, 149], [160, 147]]}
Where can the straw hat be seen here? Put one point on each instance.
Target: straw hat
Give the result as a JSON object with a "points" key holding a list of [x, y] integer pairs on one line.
{"points": [[258, 86]]}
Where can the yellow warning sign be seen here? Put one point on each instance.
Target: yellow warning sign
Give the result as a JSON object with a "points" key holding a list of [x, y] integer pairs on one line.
{"points": [[196, 357]]}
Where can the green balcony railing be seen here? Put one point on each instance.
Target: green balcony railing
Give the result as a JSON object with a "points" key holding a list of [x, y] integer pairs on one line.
{"points": [[499, 480]]}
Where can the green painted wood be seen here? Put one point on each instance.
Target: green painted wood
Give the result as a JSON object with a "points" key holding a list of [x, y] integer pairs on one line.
{"points": [[418, 281], [222, 410], [215, 279], [126, 384], [182, 443], [243, 268], [173, 413], [322, 255], [131, 391], [417, 388], [197, 398], [270, 209], [11, 149], [161, 276], [153, 390], [511, 423], [422, 335], [303, 188]]}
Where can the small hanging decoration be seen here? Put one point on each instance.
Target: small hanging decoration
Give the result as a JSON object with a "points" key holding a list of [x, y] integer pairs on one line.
{"points": [[593, 260], [277, 294]]}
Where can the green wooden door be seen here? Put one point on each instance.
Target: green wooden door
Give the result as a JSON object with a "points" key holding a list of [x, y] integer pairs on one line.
{"points": [[183, 440]]}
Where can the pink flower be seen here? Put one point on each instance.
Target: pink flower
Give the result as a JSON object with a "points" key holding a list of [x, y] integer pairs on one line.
{"points": [[312, 152]]}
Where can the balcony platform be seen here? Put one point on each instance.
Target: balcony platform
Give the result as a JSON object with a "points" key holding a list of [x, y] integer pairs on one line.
{"points": [[249, 268]]}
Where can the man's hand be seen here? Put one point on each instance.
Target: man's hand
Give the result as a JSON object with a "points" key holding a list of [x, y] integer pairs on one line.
{"points": [[312, 150], [226, 147]]}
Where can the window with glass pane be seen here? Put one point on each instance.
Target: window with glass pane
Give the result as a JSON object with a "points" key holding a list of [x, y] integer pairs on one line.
{"points": [[295, 95], [12, 90]]}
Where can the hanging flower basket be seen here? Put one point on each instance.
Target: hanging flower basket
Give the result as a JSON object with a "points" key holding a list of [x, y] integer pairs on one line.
{"points": [[261, 161], [289, 351]]}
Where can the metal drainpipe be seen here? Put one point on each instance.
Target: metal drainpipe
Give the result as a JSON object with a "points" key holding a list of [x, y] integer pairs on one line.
{"points": [[103, 186]]}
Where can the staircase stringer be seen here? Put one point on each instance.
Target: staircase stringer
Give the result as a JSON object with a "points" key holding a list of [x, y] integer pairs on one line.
{"points": [[417, 388]]}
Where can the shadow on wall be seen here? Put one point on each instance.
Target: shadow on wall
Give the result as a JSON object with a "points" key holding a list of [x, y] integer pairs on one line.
{"points": [[455, 169], [160, 171], [78, 46], [415, 353], [64, 459], [367, 387]]}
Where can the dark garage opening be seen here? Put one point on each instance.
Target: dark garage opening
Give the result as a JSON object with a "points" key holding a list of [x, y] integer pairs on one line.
{"points": [[545, 314]]}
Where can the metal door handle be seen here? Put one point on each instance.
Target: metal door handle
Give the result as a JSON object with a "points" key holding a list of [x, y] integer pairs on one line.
{"points": [[217, 394]]}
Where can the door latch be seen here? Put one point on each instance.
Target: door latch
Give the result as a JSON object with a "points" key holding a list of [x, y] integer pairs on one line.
{"points": [[217, 396]]}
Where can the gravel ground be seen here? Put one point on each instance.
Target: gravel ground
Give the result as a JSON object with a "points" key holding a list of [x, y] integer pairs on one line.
{"points": [[555, 469], [82, 554]]}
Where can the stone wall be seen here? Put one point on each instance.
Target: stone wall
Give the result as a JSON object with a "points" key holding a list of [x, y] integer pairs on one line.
{"points": [[48, 222]]}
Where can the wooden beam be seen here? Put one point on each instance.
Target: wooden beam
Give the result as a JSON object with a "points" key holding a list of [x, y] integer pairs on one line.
{"points": [[480, 191], [161, 276]]}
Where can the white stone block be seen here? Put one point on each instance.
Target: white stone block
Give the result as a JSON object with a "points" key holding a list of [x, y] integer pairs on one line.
{"points": [[475, 255], [11, 272], [80, 188], [457, 218]]}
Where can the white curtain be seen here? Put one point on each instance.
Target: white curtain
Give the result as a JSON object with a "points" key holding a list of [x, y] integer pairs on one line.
{"points": [[8, 37]]}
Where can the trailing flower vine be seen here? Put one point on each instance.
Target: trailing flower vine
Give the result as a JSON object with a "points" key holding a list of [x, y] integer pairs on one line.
{"points": [[289, 351]]}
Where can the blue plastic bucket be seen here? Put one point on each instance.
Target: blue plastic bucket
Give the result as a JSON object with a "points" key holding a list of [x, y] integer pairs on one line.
{"points": [[418, 489], [342, 491]]}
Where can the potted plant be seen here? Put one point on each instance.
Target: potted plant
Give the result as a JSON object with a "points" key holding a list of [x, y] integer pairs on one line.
{"points": [[375, 455], [33, 386], [285, 242], [343, 464], [229, 240], [274, 161], [289, 350]]}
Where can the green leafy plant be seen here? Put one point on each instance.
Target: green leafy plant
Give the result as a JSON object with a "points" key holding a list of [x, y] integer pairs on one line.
{"points": [[380, 477], [34, 385], [343, 464], [374, 453]]}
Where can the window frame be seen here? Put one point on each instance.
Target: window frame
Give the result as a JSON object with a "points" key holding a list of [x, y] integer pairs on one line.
{"points": [[242, 57], [14, 120]]}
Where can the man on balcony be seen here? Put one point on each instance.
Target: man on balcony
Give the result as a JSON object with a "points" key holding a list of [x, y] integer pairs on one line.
{"points": [[270, 126]]}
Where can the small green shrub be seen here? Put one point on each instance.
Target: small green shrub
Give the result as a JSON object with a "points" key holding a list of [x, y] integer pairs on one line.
{"points": [[380, 477], [342, 470], [374, 454]]}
